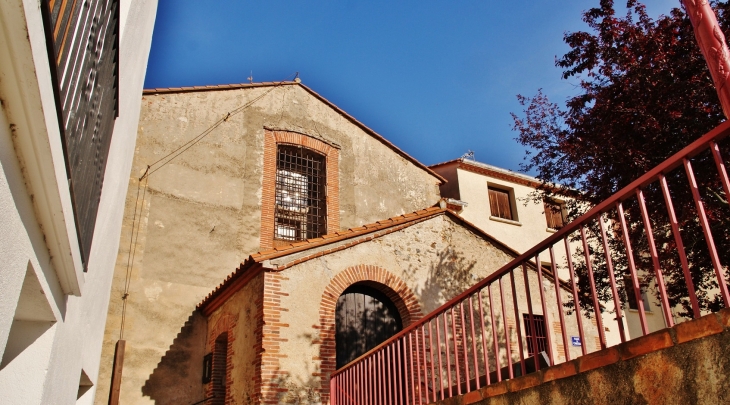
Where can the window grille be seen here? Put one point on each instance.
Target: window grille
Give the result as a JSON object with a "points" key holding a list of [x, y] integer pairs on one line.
{"points": [[301, 211], [499, 203], [536, 327]]}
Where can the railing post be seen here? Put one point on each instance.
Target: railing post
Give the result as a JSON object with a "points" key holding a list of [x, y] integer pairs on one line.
{"points": [[713, 46]]}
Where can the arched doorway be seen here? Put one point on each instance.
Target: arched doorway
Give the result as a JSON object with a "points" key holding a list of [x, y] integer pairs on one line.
{"points": [[364, 318]]}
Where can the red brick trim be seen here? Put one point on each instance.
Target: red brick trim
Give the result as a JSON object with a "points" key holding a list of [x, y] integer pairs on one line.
{"points": [[373, 276], [269, 373], [225, 325], [268, 191]]}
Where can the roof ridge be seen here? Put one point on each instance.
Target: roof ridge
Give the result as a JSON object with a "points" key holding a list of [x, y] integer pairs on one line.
{"points": [[184, 89]]}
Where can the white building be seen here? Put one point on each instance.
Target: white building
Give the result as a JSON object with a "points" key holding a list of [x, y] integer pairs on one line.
{"points": [[499, 202], [71, 77]]}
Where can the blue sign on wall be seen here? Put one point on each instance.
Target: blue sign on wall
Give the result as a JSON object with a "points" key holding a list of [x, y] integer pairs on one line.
{"points": [[575, 340]]}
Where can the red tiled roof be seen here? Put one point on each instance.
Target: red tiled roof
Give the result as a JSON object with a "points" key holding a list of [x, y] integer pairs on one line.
{"points": [[313, 93], [383, 227], [253, 265]]}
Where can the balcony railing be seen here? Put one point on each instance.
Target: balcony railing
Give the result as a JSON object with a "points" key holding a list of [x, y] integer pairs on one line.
{"points": [[635, 242]]}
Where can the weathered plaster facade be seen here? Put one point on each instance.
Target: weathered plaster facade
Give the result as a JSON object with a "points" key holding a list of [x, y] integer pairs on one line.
{"points": [[200, 215], [420, 261]]}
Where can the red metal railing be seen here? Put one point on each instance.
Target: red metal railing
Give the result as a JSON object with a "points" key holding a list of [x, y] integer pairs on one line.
{"points": [[476, 338]]}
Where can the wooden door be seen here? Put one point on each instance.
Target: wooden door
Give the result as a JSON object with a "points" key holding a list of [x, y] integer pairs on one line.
{"points": [[364, 318]]}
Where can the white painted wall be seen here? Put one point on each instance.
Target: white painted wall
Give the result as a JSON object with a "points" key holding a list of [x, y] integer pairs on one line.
{"points": [[529, 228], [48, 370]]}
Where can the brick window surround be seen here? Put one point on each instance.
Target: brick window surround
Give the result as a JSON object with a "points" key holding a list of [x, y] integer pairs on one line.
{"points": [[372, 276], [272, 138], [222, 332]]}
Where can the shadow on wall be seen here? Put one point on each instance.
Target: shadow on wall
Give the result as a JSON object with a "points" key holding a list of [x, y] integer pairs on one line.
{"points": [[448, 277], [178, 377], [296, 390]]}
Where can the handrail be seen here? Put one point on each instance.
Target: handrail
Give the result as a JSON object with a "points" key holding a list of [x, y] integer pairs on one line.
{"points": [[718, 133], [405, 356]]}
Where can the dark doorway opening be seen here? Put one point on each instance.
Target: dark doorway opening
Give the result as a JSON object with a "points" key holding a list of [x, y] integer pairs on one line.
{"points": [[364, 318]]}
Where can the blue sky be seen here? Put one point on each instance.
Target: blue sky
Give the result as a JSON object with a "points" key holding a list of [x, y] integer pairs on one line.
{"points": [[436, 78]]}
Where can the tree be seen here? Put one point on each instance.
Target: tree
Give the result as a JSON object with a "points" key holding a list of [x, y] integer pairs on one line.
{"points": [[645, 93]]}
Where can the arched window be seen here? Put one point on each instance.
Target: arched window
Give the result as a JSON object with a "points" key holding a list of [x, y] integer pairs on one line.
{"points": [[364, 318], [301, 211], [219, 374]]}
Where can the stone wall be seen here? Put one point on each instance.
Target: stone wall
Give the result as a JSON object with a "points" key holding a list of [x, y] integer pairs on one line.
{"points": [[199, 216]]}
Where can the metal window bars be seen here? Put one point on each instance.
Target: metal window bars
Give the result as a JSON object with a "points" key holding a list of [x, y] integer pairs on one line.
{"points": [[637, 233], [300, 199]]}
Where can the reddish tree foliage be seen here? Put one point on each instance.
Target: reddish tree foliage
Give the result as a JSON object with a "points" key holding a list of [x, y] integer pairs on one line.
{"points": [[645, 93]]}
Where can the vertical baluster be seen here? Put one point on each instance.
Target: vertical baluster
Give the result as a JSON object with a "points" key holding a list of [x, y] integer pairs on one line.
{"points": [[456, 352], [715, 148], [369, 381], [441, 365], [356, 382], [381, 379], [545, 314], [632, 269], [523, 367], [473, 340], [495, 341], [398, 374], [363, 382], [719, 273], [433, 371], [406, 374], [418, 367], [484, 336], [559, 299], [612, 281], [425, 361], [576, 301], [388, 374], [448, 356], [680, 246], [410, 362], [655, 258], [465, 346], [530, 317], [507, 339]]}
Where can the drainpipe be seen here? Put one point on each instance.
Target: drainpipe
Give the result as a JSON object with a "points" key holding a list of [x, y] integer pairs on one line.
{"points": [[714, 48]]}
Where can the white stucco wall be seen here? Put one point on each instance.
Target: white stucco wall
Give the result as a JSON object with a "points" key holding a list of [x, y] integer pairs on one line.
{"points": [[527, 230], [48, 370]]}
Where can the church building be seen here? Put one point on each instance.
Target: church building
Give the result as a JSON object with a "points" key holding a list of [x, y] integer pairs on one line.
{"points": [[353, 238]]}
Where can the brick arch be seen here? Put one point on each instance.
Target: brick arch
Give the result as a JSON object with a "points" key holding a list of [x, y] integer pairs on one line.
{"points": [[268, 187], [372, 276], [223, 328]]}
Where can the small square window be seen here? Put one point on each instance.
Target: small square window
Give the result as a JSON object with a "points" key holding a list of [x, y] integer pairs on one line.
{"points": [[631, 297], [554, 214], [500, 204]]}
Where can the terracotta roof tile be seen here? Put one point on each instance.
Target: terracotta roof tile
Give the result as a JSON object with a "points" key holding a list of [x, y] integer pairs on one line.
{"points": [[399, 221]]}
